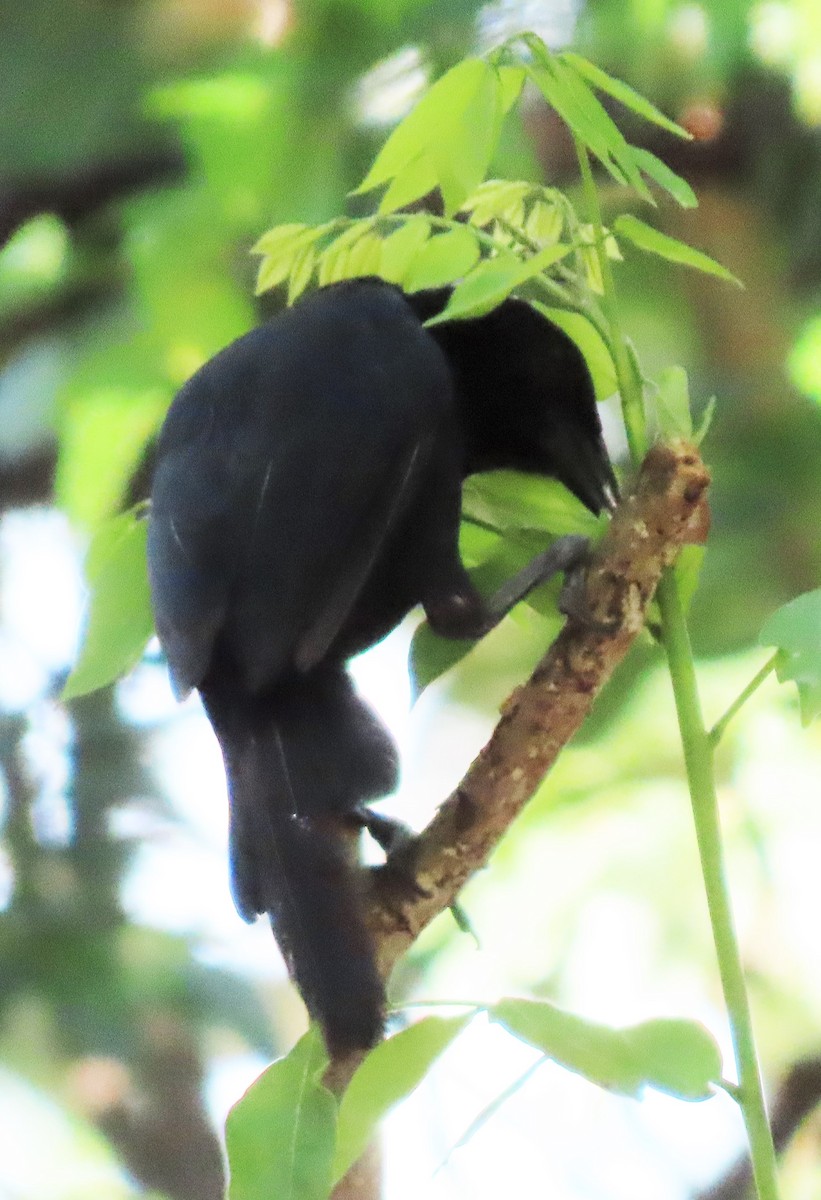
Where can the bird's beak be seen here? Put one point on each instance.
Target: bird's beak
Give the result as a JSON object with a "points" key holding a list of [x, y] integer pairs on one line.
{"points": [[584, 467]]}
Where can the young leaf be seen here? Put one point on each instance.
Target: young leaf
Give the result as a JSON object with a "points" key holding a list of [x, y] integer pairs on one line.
{"points": [[567, 92], [796, 630], [389, 1073], [277, 237], [597, 356], [675, 1056], [622, 92], [401, 247], [447, 140], [673, 404], [445, 257], [492, 281], [364, 257], [462, 150], [511, 80], [513, 502], [414, 180], [645, 237], [430, 656], [280, 1135], [706, 421], [661, 174], [302, 270], [119, 622], [487, 285], [287, 252]]}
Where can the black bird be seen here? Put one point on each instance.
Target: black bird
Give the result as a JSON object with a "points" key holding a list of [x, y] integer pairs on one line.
{"points": [[306, 496]]}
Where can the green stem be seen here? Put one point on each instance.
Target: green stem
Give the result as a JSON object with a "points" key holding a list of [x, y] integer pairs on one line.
{"points": [[698, 753], [629, 386], [698, 757], [717, 732]]}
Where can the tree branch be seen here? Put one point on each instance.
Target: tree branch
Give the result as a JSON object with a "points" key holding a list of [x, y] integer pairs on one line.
{"points": [[666, 509]]}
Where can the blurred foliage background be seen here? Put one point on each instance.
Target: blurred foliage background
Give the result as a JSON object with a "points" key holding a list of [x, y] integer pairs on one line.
{"points": [[144, 146]]}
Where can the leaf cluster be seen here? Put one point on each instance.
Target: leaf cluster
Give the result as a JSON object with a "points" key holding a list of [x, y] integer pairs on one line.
{"points": [[288, 1136]]}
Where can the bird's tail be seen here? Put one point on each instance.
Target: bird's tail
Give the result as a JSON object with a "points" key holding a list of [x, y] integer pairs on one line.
{"points": [[298, 759]]}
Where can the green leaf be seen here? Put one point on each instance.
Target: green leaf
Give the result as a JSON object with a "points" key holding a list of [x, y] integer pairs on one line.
{"points": [[622, 92], [675, 1056], [492, 281], [443, 258], [795, 629], [706, 421], [462, 151], [288, 254], [661, 174], [645, 237], [334, 261], [302, 270], [401, 247], [673, 404], [447, 140], [105, 428], [413, 181], [279, 236], [390, 1072], [567, 92], [364, 257], [430, 656], [511, 80], [119, 622], [688, 572], [511, 501], [280, 1135], [592, 345], [496, 198]]}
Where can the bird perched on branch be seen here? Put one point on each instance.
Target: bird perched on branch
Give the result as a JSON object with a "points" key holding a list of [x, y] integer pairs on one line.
{"points": [[306, 497]]}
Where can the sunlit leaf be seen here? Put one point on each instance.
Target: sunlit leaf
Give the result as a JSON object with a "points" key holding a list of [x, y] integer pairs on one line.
{"points": [[447, 140], [622, 92], [661, 174], [280, 1136], [280, 235], [364, 256], [390, 1072], [795, 629], [544, 223], [567, 92], [302, 270], [415, 179], [104, 435], [675, 1056], [401, 247], [492, 281], [495, 198], [645, 237], [512, 81], [443, 258], [119, 622]]}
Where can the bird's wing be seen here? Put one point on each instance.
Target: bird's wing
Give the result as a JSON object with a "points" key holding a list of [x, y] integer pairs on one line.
{"points": [[269, 513]]}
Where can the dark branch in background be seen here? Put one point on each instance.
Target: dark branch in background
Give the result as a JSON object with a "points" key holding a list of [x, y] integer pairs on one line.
{"points": [[75, 196], [666, 509]]}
